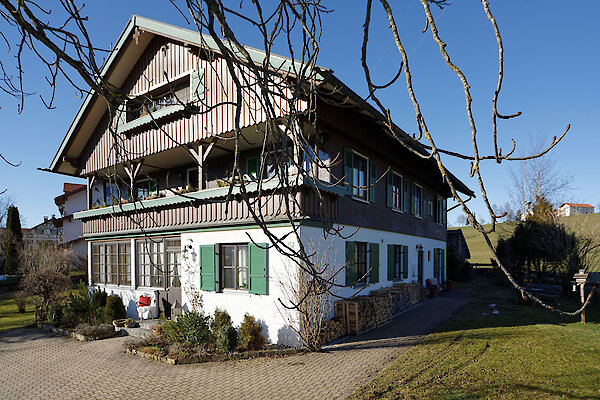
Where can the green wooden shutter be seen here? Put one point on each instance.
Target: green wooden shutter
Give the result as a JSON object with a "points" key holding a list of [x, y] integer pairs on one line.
{"points": [[390, 258], [444, 214], [374, 258], [373, 182], [257, 267], [436, 261], [351, 272], [197, 85], [348, 166], [424, 210], [407, 198], [390, 189], [404, 262], [252, 167], [413, 203], [207, 267], [443, 264], [152, 188]]}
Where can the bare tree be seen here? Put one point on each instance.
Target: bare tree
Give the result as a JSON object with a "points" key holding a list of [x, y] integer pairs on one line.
{"points": [[287, 96], [536, 178]]}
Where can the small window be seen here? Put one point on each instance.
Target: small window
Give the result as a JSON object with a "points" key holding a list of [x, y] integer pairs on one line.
{"points": [[234, 266], [144, 105], [395, 191], [146, 188], [192, 179], [439, 210]]}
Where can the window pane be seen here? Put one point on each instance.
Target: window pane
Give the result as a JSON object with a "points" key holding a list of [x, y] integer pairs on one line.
{"points": [[229, 256], [229, 278]]}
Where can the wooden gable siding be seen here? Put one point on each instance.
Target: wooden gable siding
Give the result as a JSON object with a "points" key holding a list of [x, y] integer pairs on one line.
{"points": [[164, 55], [273, 207]]}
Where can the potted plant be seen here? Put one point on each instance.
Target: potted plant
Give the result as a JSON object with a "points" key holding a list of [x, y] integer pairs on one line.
{"points": [[450, 285], [130, 323]]}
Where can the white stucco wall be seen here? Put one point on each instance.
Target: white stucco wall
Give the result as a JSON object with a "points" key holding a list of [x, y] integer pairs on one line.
{"points": [[73, 228]]}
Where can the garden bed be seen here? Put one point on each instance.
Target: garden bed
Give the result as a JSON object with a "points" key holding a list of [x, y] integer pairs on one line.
{"points": [[158, 354], [79, 335]]}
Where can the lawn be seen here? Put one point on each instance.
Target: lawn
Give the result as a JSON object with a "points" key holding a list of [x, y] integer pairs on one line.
{"points": [[522, 352], [480, 252], [10, 317]]}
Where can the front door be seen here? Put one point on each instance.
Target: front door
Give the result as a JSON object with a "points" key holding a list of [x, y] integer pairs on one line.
{"points": [[171, 280]]}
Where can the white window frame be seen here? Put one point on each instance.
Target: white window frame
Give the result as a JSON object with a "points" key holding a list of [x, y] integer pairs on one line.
{"points": [[418, 209], [355, 185], [399, 208]]}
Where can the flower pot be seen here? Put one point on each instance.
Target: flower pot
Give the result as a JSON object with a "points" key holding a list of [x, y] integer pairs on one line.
{"points": [[434, 292], [450, 285], [119, 323]]}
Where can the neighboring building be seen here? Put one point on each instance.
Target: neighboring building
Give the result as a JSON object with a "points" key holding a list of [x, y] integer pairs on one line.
{"points": [[456, 242], [567, 209], [45, 231], [169, 245], [72, 200]]}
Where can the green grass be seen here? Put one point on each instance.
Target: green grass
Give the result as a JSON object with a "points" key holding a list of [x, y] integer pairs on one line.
{"points": [[524, 352], [10, 318], [480, 252]]}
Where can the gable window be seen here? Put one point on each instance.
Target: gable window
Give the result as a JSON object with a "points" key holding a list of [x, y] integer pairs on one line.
{"points": [[397, 262], [360, 175], [362, 263], [234, 266], [169, 96], [395, 191], [111, 263]]}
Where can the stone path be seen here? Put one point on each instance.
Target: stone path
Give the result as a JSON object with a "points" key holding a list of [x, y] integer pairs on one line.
{"points": [[36, 365]]}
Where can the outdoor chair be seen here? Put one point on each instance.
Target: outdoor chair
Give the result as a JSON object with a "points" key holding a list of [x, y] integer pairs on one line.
{"points": [[146, 306]]}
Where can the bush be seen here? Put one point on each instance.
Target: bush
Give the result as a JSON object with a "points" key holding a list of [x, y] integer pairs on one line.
{"points": [[21, 300], [251, 333], [195, 328], [220, 320], [227, 338], [99, 298], [114, 308], [55, 313], [78, 306], [172, 332]]}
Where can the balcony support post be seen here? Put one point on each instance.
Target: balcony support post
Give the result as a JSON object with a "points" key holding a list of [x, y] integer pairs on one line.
{"points": [[90, 183]]}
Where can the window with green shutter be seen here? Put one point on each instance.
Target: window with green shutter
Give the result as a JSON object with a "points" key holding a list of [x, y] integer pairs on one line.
{"points": [[258, 268], [207, 267], [374, 263]]}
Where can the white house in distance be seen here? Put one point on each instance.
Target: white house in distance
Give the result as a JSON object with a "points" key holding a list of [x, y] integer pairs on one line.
{"points": [[73, 199], [145, 238], [568, 209]]}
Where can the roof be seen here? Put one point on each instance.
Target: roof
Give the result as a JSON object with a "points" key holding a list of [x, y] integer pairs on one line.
{"points": [[577, 205], [117, 67]]}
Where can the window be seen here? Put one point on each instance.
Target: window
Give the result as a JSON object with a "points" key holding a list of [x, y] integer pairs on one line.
{"points": [[317, 164], [192, 178], [417, 202], [395, 191], [362, 263], [234, 266], [150, 261], [146, 188], [276, 163], [173, 262], [111, 263], [143, 105], [113, 192], [397, 262], [439, 214], [361, 176]]}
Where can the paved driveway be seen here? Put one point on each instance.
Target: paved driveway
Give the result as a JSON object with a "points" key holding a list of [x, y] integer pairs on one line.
{"points": [[35, 365]]}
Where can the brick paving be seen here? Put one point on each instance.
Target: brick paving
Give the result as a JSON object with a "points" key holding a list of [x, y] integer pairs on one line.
{"points": [[36, 365]]}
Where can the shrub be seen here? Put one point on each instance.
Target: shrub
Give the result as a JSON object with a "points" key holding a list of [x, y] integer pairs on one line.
{"points": [[21, 300], [195, 328], [220, 320], [114, 308], [227, 338], [55, 313], [99, 298], [172, 332], [78, 306], [251, 333], [95, 331]]}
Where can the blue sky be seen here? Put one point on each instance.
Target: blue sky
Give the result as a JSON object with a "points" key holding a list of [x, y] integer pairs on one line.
{"points": [[551, 75]]}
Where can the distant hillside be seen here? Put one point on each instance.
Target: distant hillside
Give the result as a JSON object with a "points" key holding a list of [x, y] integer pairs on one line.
{"points": [[480, 253]]}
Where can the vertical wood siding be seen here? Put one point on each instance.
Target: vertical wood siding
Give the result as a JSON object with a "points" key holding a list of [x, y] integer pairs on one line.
{"points": [[162, 61]]}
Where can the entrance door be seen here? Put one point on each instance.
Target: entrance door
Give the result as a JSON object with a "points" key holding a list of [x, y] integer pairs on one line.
{"points": [[171, 280], [420, 267]]}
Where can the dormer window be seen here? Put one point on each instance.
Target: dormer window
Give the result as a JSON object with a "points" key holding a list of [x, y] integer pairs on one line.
{"points": [[169, 96]]}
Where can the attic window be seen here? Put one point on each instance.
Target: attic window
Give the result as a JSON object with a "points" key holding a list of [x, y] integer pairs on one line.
{"points": [[144, 105]]}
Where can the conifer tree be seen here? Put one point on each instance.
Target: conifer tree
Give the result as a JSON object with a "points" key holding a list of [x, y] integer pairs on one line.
{"points": [[13, 241]]}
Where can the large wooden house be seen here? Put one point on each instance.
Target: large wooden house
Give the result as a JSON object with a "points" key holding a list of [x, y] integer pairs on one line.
{"points": [[161, 243]]}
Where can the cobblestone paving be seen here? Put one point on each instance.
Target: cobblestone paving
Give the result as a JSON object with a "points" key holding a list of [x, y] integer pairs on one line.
{"points": [[36, 365]]}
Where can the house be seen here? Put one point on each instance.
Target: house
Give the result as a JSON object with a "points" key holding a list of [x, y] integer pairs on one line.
{"points": [[45, 231], [145, 237], [72, 200], [567, 209]]}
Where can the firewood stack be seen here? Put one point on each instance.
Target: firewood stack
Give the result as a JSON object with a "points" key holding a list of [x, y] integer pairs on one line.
{"points": [[333, 329], [362, 313]]}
